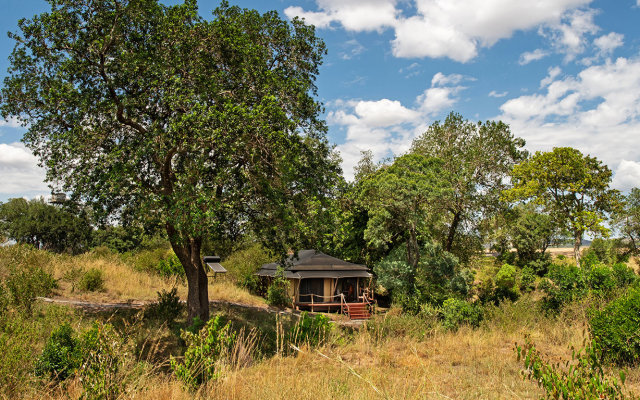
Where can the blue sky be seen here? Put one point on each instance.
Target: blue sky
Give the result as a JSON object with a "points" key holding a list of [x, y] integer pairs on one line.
{"points": [[559, 72]]}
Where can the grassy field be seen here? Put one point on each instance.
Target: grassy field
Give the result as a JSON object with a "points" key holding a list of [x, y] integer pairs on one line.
{"points": [[393, 356]]}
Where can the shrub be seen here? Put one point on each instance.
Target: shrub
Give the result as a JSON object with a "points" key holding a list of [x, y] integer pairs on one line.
{"points": [[624, 275], [278, 291], [583, 378], [456, 312], [91, 281], [25, 283], [600, 279], [564, 284], [541, 265], [61, 355], [168, 307], [527, 279], [205, 353], [170, 266], [243, 264], [506, 283], [308, 330], [616, 328], [102, 372]]}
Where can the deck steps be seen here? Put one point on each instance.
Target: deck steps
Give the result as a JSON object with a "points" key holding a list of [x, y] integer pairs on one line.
{"points": [[357, 310]]}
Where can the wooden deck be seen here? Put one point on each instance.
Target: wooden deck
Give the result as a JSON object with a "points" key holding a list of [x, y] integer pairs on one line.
{"points": [[357, 310]]}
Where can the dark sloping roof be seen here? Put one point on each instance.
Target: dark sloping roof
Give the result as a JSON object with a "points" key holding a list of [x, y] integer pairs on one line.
{"points": [[316, 274], [312, 260], [213, 262]]}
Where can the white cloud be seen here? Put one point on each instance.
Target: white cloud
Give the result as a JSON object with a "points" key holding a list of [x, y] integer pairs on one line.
{"points": [[363, 15], [10, 123], [440, 28], [386, 127], [596, 111], [19, 171], [527, 57], [627, 175], [608, 43], [493, 93], [569, 36]]}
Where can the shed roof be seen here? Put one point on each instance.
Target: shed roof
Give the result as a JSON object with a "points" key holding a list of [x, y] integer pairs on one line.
{"points": [[213, 262], [312, 260]]}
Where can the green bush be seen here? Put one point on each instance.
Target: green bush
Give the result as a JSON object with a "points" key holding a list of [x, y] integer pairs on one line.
{"points": [[616, 328], [601, 280], [61, 356], [308, 330], [541, 265], [91, 281], [205, 352], [170, 266], [244, 263], [624, 275], [527, 279], [456, 312], [25, 283], [168, 307], [582, 378], [564, 283], [506, 283], [278, 291], [102, 373]]}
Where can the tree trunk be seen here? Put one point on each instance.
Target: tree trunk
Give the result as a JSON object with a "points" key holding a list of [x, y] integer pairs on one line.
{"points": [[577, 241], [457, 216], [187, 250]]}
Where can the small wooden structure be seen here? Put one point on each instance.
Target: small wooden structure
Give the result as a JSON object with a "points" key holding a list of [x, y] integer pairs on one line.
{"points": [[320, 282], [213, 262]]}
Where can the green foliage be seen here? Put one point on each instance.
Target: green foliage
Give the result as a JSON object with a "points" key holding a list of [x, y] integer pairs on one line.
{"points": [[170, 266], [583, 377], [564, 283], [25, 282], [476, 156], [311, 331], [572, 188], [507, 283], [278, 291], [210, 124], [45, 226], [168, 306], [627, 219], [624, 275], [541, 265], [600, 279], [104, 353], [92, 281], [616, 329], [61, 356], [456, 312], [244, 263], [399, 200], [527, 279], [205, 351]]}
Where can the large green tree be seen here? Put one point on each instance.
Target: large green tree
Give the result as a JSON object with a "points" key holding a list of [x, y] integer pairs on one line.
{"points": [[210, 125], [477, 158], [55, 228], [627, 219], [571, 187], [399, 199]]}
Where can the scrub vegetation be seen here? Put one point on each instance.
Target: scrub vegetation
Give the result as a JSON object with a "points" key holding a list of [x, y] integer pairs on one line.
{"points": [[177, 136]]}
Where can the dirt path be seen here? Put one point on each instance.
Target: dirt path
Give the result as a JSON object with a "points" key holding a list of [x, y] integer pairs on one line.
{"points": [[138, 305]]}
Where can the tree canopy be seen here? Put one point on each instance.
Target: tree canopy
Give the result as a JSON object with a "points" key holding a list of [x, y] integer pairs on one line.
{"points": [[477, 157], [211, 126], [571, 187], [34, 222]]}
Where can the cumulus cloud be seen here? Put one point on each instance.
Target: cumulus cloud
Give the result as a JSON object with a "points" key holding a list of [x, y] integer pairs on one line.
{"points": [[437, 28], [608, 43], [570, 36], [10, 123], [627, 175], [597, 111], [364, 15], [529, 56], [19, 171], [387, 127]]}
